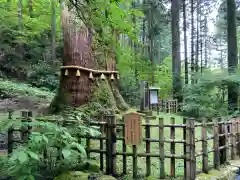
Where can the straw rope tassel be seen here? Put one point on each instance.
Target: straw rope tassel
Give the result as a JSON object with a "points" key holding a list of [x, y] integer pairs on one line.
{"points": [[112, 77], [66, 72], [102, 77], [90, 75], [78, 73]]}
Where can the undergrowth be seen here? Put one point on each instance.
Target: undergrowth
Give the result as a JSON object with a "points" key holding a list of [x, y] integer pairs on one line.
{"points": [[15, 89]]}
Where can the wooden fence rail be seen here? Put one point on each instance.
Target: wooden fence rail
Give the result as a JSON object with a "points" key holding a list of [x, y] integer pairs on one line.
{"points": [[225, 137]]}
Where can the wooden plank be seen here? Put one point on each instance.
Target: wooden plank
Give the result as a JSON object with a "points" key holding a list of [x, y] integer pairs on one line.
{"points": [[226, 141], [172, 147], [135, 155], [222, 142], [234, 151], [124, 150], [148, 146], [133, 129], [184, 147], [188, 150], [161, 148], [216, 146], [204, 147]]}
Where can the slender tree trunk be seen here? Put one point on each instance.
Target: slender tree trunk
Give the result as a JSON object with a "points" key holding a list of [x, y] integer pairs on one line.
{"points": [[53, 4], [232, 53], [197, 41], [206, 43], [185, 42], [192, 43], [176, 61]]}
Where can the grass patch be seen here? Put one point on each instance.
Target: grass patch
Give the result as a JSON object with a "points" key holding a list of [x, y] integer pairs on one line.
{"points": [[155, 162], [13, 89]]}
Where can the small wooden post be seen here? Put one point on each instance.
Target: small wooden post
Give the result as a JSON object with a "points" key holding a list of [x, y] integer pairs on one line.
{"points": [[148, 146], [233, 153], [226, 141], [222, 142], [124, 149], [134, 149], [184, 147], [25, 129], [193, 158], [238, 135], [204, 147], [111, 168], [113, 145], [216, 146], [101, 142], [188, 149], [172, 147], [10, 113], [10, 140], [161, 148]]}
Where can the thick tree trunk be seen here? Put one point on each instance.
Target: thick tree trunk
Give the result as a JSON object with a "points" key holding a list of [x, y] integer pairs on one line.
{"points": [[75, 91]]}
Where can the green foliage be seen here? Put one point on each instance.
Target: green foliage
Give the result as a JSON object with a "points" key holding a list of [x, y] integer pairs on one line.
{"points": [[208, 97], [35, 42], [11, 89], [26, 161]]}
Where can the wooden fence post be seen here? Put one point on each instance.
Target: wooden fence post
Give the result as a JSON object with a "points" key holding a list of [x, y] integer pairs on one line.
{"points": [[172, 147], [188, 150], [161, 148], [222, 142], [193, 158], [233, 153], [238, 135], [10, 140], [124, 149], [216, 146], [184, 146], [204, 147], [111, 145], [25, 130], [101, 142], [148, 146], [226, 141]]}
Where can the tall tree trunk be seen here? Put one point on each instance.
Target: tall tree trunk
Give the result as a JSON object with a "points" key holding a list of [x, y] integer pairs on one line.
{"points": [[192, 43], [53, 4], [206, 42], [185, 42], [176, 61], [232, 53], [197, 40]]}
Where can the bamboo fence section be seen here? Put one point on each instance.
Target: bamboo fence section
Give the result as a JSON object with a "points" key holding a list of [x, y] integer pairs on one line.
{"points": [[225, 137]]}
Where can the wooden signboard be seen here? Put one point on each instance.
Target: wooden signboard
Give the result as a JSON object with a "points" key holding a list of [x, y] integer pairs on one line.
{"points": [[133, 129]]}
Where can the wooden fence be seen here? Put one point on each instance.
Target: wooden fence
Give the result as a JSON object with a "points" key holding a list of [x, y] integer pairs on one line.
{"points": [[167, 106], [225, 137]]}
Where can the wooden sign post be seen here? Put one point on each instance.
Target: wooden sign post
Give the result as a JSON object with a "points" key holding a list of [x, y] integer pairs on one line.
{"points": [[133, 128]]}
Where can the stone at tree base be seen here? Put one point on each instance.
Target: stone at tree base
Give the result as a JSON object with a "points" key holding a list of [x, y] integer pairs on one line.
{"points": [[79, 175]]}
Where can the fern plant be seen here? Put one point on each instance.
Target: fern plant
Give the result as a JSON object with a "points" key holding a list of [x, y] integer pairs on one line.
{"points": [[27, 161]]}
